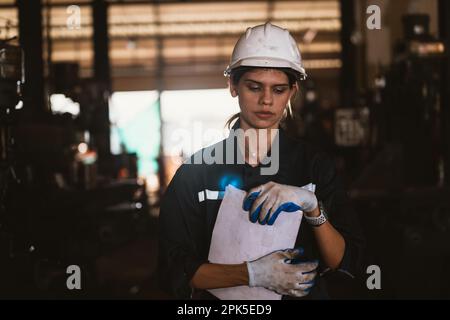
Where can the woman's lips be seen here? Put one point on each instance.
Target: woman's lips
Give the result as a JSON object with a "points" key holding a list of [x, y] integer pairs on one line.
{"points": [[264, 115]]}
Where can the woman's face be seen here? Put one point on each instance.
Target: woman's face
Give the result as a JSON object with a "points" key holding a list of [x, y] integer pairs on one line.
{"points": [[263, 95]]}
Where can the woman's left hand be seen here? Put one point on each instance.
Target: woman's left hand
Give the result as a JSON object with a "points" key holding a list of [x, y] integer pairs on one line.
{"points": [[267, 201]]}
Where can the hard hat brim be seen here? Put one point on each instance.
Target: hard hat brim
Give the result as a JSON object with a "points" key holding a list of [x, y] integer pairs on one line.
{"points": [[265, 62]]}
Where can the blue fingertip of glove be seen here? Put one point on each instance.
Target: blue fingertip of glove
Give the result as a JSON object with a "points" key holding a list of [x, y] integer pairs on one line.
{"points": [[266, 218], [287, 207], [249, 200], [254, 216], [274, 217]]}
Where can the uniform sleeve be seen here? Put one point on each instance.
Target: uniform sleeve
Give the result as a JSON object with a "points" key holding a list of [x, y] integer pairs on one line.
{"points": [[181, 235], [341, 213]]}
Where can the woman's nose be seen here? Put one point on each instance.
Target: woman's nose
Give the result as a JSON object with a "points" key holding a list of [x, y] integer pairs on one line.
{"points": [[266, 97]]}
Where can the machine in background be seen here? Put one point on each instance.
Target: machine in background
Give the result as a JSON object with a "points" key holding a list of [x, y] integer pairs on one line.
{"points": [[57, 208], [400, 192]]}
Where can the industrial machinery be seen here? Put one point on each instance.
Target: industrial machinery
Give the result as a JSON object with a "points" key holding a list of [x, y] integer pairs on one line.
{"points": [[56, 208], [403, 204]]}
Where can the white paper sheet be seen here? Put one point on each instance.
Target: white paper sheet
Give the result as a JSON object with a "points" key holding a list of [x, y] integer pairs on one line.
{"points": [[235, 240]]}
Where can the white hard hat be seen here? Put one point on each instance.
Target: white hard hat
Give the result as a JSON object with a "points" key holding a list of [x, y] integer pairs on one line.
{"points": [[269, 46]]}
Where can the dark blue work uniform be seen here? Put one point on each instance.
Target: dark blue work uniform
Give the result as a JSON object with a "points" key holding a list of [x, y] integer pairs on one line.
{"points": [[188, 211]]}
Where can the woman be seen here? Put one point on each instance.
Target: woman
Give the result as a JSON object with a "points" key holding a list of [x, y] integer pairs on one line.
{"points": [[264, 73]]}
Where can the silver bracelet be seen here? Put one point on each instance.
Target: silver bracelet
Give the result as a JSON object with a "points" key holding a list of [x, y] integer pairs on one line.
{"points": [[317, 221]]}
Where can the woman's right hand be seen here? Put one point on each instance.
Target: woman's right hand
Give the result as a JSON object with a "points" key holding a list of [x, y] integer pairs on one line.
{"points": [[281, 271]]}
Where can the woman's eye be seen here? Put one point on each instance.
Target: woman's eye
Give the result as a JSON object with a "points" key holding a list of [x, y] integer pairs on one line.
{"points": [[279, 90], [254, 88]]}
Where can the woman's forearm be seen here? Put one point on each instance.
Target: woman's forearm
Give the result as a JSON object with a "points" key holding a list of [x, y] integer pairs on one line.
{"points": [[330, 242], [212, 276]]}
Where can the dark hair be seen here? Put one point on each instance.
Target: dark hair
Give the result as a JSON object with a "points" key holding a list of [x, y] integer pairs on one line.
{"points": [[288, 123]]}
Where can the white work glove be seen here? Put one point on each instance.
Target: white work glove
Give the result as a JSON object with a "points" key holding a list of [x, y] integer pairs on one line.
{"points": [[267, 201], [280, 271]]}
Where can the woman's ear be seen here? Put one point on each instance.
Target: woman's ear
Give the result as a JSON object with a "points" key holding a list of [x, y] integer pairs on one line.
{"points": [[294, 90], [233, 89]]}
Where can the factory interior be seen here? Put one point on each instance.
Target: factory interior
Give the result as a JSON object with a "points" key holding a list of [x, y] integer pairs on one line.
{"points": [[91, 92]]}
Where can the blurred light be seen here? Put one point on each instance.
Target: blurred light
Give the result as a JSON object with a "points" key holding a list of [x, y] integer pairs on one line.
{"points": [[127, 105], [138, 205], [152, 182], [65, 33], [182, 51], [131, 44], [322, 64], [311, 96], [232, 179], [380, 82], [187, 130], [195, 18], [219, 27], [61, 104], [418, 29], [309, 35], [134, 290], [83, 147], [207, 12], [321, 47], [426, 48], [356, 37], [19, 105], [72, 54]]}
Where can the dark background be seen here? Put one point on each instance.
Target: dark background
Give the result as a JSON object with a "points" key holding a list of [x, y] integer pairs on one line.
{"points": [[381, 108]]}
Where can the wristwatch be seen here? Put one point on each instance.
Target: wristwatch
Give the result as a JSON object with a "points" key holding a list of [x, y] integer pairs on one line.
{"points": [[317, 221]]}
